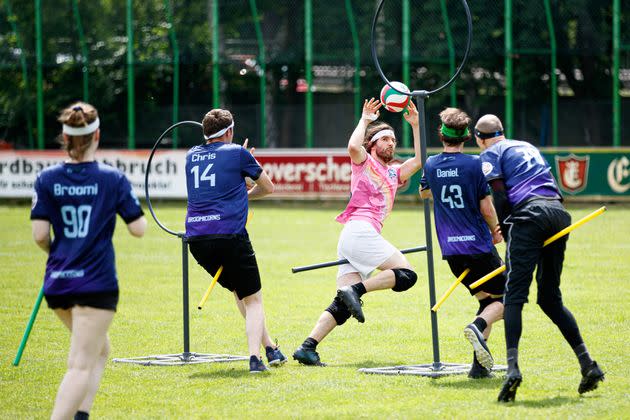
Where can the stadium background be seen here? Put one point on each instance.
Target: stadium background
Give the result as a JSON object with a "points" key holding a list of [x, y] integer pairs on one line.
{"points": [[312, 65]]}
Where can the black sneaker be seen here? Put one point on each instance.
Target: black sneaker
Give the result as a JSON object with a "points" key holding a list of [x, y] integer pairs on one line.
{"points": [[275, 356], [256, 365], [472, 334], [508, 390], [590, 379], [307, 356], [479, 372], [350, 298]]}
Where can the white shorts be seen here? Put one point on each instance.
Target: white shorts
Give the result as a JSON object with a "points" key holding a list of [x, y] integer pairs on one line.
{"points": [[363, 247]]}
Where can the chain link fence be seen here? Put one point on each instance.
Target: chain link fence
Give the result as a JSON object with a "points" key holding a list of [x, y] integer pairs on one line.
{"points": [[295, 72]]}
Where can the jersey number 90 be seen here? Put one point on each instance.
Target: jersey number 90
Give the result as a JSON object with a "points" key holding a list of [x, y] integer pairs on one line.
{"points": [[77, 221]]}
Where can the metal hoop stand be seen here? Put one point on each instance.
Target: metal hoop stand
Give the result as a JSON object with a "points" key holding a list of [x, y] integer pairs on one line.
{"points": [[186, 357], [437, 368]]}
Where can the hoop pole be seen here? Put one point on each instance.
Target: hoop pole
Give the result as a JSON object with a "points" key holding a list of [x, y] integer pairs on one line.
{"points": [[29, 327], [344, 261], [450, 290], [553, 238], [437, 365], [186, 354]]}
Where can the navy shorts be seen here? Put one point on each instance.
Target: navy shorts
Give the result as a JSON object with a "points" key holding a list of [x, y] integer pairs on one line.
{"points": [[236, 255], [99, 300], [480, 265]]}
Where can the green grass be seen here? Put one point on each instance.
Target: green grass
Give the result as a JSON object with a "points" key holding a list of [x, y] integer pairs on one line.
{"points": [[397, 330]]}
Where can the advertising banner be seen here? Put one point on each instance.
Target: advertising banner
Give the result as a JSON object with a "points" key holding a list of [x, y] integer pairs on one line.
{"points": [[18, 170], [311, 174]]}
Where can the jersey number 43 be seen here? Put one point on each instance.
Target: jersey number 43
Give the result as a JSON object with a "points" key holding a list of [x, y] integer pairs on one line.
{"points": [[452, 195]]}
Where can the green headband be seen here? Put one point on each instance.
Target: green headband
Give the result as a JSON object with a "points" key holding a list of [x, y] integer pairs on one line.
{"points": [[454, 133]]}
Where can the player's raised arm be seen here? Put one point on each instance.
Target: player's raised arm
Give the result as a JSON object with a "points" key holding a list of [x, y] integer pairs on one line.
{"points": [[412, 165], [355, 144]]}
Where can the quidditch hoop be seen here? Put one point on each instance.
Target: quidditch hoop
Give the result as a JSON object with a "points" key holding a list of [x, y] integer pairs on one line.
{"points": [[421, 92], [146, 176]]}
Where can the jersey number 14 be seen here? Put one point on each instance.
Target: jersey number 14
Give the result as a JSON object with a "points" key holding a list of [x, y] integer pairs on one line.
{"points": [[204, 175]]}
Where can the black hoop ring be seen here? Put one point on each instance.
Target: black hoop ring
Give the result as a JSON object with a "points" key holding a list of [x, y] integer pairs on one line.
{"points": [[146, 176], [421, 92]]}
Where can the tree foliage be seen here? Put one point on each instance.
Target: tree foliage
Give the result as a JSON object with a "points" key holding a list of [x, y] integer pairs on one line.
{"points": [[582, 29]]}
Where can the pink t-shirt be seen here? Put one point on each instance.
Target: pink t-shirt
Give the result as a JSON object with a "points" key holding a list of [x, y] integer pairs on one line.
{"points": [[373, 188]]}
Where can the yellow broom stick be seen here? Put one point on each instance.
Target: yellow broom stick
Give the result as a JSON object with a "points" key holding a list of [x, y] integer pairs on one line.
{"points": [[450, 290], [555, 237], [216, 276], [207, 294]]}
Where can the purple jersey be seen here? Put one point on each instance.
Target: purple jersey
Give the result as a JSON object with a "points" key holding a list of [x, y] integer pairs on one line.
{"points": [[524, 170], [81, 202], [217, 195], [457, 185]]}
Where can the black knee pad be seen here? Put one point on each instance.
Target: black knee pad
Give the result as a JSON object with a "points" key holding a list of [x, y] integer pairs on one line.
{"points": [[405, 279], [339, 311], [484, 303]]}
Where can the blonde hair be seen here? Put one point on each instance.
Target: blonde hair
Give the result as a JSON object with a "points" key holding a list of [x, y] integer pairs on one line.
{"points": [[79, 114]]}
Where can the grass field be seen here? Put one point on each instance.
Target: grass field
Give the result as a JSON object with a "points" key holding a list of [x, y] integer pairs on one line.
{"points": [[397, 329]]}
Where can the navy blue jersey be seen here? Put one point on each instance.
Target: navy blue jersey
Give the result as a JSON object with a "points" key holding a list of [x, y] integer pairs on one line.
{"points": [[81, 200], [457, 185], [217, 195], [524, 171]]}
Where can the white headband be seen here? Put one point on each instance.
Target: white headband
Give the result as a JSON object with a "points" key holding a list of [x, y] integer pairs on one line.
{"points": [[381, 134], [81, 131], [219, 133]]}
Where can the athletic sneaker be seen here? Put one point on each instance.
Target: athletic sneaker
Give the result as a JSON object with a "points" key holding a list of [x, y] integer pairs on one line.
{"points": [[256, 365], [479, 372], [590, 379], [508, 390], [307, 356], [350, 298], [472, 334], [275, 356]]}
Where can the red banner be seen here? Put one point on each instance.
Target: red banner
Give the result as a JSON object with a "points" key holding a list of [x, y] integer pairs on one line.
{"points": [[308, 174]]}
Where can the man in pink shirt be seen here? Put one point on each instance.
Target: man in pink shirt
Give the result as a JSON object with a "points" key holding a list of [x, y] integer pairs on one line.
{"points": [[373, 188]]}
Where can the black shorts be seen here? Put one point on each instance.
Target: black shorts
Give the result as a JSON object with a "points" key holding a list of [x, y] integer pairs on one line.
{"points": [[529, 227], [236, 255], [480, 265], [100, 300]]}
